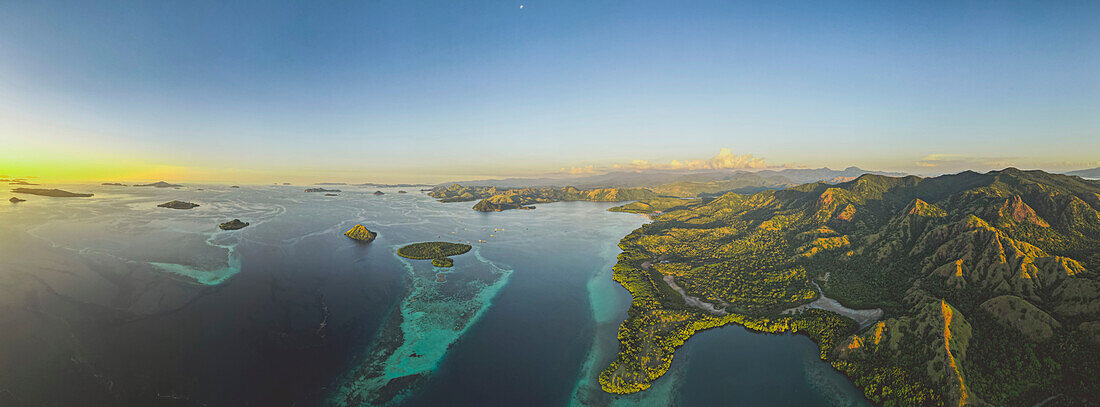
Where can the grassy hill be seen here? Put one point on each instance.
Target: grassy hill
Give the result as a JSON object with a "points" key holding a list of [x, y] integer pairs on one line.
{"points": [[988, 282]]}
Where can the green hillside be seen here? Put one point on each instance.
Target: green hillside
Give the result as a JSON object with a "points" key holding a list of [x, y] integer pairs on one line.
{"points": [[988, 283]]}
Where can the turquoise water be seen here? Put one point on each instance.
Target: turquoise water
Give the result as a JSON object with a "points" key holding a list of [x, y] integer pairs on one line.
{"points": [[161, 302]]}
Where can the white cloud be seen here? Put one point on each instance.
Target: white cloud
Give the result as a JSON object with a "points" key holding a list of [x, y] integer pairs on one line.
{"points": [[725, 160], [958, 162]]}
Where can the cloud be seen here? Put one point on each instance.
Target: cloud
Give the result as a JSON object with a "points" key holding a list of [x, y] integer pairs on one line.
{"points": [[585, 170], [725, 160], [958, 162]]}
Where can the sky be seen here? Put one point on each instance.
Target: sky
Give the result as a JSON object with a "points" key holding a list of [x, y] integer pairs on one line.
{"points": [[417, 91]]}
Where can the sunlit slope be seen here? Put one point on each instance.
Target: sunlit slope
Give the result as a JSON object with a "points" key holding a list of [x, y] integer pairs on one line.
{"points": [[988, 281]]}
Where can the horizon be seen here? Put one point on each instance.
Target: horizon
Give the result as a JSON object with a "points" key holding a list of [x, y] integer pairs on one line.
{"points": [[566, 178], [399, 93]]}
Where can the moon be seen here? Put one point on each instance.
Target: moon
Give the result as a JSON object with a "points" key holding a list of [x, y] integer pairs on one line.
{"points": [[521, 7]]}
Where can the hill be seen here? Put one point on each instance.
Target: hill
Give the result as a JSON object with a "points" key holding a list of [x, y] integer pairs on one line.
{"points": [[988, 283]]}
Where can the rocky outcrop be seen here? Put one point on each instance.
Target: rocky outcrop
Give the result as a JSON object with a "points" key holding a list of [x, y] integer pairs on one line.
{"points": [[361, 233], [233, 225]]}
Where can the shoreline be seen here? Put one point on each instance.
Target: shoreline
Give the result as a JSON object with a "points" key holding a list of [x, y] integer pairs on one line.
{"points": [[863, 317]]}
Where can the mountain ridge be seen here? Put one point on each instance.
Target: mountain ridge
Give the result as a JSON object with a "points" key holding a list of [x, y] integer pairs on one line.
{"points": [[934, 253]]}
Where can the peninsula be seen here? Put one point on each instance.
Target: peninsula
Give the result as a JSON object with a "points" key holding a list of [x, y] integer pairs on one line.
{"points": [[56, 193]]}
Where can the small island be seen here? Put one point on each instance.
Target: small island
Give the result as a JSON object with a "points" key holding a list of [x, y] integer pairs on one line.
{"points": [[56, 193], [321, 190], [16, 200], [361, 233], [178, 205], [438, 252], [432, 250], [331, 195], [160, 184], [233, 225], [234, 186], [402, 192], [113, 184], [379, 193]]}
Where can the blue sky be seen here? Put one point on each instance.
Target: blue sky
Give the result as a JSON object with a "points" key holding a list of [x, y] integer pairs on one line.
{"points": [[432, 91]]}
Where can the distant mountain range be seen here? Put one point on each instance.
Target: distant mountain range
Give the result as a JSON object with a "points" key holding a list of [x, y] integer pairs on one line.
{"points": [[1089, 173], [766, 179]]}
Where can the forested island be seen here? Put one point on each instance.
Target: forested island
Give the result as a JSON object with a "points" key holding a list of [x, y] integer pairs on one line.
{"points": [[438, 252], [493, 199], [56, 193], [988, 283], [159, 184], [178, 205]]}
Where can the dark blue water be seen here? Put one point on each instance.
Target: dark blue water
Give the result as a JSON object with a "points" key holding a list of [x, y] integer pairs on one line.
{"points": [[528, 318]]}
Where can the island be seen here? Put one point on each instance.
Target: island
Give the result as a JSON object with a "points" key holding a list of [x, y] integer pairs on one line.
{"points": [[56, 193], [438, 252], [379, 193], [234, 186], [331, 195], [361, 234], [160, 184], [178, 205], [233, 225], [16, 200], [377, 185], [114, 184], [321, 190], [402, 192], [964, 289], [493, 199]]}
